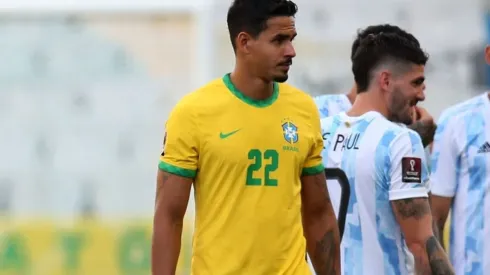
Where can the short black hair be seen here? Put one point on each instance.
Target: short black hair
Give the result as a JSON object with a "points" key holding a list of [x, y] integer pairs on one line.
{"points": [[376, 29], [251, 15], [384, 48]]}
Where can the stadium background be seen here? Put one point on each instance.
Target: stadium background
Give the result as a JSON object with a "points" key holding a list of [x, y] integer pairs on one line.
{"points": [[86, 87]]}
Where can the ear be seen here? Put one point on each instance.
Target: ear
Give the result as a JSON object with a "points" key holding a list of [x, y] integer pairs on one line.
{"points": [[487, 54], [384, 80], [243, 42]]}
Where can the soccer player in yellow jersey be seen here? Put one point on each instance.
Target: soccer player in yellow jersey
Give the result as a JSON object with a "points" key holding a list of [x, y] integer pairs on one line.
{"points": [[251, 145]]}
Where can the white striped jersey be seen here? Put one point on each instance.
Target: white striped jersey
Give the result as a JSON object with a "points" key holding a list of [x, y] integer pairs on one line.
{"points": [[329, 105], [460, 169], [383, 162]]}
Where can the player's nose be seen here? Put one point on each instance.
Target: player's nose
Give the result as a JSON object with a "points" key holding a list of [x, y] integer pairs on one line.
{"points": [[289, 51], [421, 94]]}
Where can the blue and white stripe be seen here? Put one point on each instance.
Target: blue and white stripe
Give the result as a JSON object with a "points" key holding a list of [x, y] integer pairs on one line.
{"points": [[329, 105], [459, 170], [373, 242]]}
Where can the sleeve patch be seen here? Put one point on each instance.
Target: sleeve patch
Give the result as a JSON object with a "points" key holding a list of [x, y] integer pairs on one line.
{"points": [[411, 170]]}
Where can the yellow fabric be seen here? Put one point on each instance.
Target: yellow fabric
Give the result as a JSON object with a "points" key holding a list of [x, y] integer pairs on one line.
{"points": [[247, 157]]}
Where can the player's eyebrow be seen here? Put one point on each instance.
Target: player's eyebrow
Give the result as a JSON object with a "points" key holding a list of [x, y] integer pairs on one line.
{"points": [[282, 36], [418, 80]]}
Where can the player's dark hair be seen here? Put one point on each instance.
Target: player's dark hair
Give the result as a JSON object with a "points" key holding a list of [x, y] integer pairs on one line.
{"points": [[376, 29], [251, 15], [384, 48]]}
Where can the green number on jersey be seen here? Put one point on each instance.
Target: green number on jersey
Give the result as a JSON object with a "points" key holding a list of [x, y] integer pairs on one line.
{"points": [[272, 157]]}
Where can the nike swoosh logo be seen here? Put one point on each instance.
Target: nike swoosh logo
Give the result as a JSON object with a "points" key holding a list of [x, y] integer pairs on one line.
{"points": [[226, 135]]}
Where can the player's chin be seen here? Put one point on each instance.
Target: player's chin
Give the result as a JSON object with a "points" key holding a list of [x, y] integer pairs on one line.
{"points": [[283, 77], [407, 120]]}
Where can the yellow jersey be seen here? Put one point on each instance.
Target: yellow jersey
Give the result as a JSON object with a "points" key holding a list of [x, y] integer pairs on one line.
{"points": [[246, 157]]}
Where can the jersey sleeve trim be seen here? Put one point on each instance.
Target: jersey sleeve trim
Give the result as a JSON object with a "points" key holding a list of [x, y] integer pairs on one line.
{"points": [[311, 171], [418, 192], [172, 169], [442, 192]]}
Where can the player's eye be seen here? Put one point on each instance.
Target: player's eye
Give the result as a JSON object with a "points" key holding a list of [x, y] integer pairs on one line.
{"points": [[419, 81]]}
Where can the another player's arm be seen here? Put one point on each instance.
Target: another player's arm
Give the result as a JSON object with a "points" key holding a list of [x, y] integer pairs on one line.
{"points": [[440, 207], [177, 168], [445, 156], [424, 126], [408, 193], [319, 221]]}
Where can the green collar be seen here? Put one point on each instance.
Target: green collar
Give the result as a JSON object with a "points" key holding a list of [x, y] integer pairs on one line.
{"points": [[250, 101]]}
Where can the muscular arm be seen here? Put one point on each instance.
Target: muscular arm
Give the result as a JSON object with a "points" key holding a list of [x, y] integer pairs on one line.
{"points": [[440, 209], [320, 225], [172, 197], [414, 217]]}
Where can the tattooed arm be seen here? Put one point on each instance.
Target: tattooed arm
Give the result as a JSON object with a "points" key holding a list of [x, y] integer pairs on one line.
{"points": [[415, 220], [170, 206], [320, 225], [408, 192]]}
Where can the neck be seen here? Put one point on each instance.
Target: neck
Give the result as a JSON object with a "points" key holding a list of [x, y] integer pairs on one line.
{"points": [[352, 94], [251, 86], [368, 101]]}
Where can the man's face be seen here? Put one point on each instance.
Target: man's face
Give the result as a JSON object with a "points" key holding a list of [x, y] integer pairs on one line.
{"points": [[271, 53], [406, 91]]}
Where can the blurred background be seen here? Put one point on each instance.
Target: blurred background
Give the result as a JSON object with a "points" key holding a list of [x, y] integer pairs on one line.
{"points": [[86, 87]]}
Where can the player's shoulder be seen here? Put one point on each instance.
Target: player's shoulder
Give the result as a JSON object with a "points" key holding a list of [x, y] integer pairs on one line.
{"points": [[395, 134], [196, 96], [468, 110], [202, 96], [296, 95]]}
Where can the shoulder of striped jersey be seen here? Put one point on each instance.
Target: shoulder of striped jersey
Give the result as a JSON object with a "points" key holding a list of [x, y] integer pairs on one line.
{"points": [[470, 107]]}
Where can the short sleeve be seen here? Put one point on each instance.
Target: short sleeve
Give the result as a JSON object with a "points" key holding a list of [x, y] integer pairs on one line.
{"points": [[408, 174], [444, 160], [180, 149], [313, 164]]}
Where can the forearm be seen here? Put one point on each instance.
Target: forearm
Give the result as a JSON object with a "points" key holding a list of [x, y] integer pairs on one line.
{"points": [[323, 243], [439, 233], [430, 258], [166, 247]]}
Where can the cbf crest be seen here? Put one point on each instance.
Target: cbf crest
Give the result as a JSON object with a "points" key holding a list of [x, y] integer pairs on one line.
{"points": [[290, 131]]}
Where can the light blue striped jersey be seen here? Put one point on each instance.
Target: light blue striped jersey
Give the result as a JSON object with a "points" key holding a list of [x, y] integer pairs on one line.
{"points": [[383, 162], [461, 169], [329, 105]]}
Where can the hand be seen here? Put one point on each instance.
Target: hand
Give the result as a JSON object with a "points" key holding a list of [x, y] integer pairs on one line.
{"points": [[424, 125], [421, 114]]}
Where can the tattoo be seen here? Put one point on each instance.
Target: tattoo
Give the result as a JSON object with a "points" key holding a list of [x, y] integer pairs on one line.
{"points": [[325, 254], [165, 178], [426, 130], [438, 260], [412, 208]]}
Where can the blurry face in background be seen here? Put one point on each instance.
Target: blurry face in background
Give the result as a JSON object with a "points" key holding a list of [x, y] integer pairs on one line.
{"points": [[406, 91], [270, 55]]}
